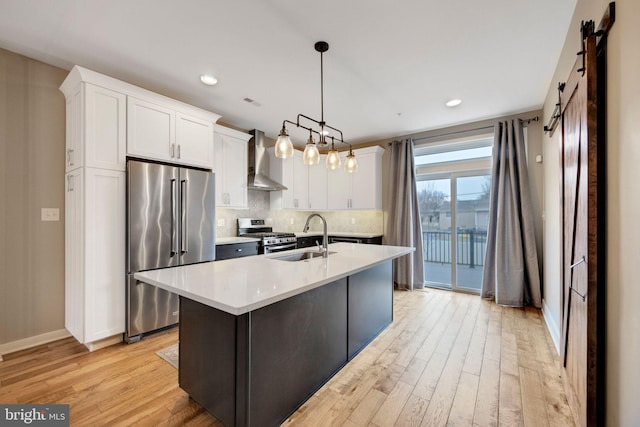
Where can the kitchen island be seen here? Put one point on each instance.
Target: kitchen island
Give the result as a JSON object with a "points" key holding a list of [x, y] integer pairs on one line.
{"points": [[259, 335]]}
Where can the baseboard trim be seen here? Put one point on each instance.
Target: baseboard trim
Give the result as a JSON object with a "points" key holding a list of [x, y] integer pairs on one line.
{"points": [[552, 327], [104, 342], [34, 341]]}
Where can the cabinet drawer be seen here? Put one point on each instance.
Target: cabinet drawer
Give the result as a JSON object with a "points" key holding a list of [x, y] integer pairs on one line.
{"points": [[236, 250]]}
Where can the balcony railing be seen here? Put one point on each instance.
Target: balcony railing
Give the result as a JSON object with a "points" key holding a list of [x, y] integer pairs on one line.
{"points": [[471, 246]]}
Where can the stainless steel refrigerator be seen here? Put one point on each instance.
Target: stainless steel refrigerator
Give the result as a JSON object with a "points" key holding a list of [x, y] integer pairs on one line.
{"points": [[170, 222]]}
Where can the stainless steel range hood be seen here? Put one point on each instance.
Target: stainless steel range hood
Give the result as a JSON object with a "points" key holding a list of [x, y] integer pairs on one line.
{"points": [[259, 165]]}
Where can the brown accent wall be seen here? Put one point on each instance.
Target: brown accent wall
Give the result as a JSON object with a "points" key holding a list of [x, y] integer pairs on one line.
{"points": [[32, 147]]}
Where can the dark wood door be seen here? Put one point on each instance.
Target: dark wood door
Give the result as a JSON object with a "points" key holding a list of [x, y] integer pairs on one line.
{"points": [[581, 230]]}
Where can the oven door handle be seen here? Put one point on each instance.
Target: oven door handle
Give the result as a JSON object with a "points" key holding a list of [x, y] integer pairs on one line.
{"points": [[287, 246]]}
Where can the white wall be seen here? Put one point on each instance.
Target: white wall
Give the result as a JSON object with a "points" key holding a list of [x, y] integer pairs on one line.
{"points": [[623, 204]]}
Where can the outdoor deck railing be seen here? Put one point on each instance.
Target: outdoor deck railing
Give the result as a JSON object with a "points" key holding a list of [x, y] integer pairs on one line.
{"points": [[470, 247]]}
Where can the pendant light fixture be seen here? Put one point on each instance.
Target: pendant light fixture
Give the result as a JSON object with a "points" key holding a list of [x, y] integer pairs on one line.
{"points": [[311, 156]]}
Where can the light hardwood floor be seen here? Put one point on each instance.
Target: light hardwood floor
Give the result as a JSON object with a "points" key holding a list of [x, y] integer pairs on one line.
{"points": [[447, 359]]}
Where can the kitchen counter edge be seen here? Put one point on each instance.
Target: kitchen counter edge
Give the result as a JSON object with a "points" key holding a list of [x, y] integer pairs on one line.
{"points": [[238, 286]]}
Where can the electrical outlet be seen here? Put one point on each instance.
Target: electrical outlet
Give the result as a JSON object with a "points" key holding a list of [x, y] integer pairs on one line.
{"points": [[221, 222], [353, 221], [50, 214], [291, 221]]}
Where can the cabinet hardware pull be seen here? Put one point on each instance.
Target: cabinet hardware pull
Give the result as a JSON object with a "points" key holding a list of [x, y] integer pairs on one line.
{"points": [[178, 150], [583, 296], [185, 215], [172, 150], [572, 266], [174, 227]]}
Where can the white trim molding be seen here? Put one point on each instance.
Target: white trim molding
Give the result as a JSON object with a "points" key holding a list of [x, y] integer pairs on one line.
{"points": [[25, 343], [552, 327]]}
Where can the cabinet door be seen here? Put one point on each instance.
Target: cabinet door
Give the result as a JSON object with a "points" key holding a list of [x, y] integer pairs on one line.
{"points": [[194, 141], [150, 130], [231, 170], [235, 172], [339, 187], [366, 184], [74, 254], [301, 182], [281, 170], [105, 128], [74, 142], [318, 185], [104, 282]]}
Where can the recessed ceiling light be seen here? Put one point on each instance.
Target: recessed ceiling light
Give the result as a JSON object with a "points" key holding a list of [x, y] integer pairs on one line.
{"points": [[453, 102], [208, 79]]}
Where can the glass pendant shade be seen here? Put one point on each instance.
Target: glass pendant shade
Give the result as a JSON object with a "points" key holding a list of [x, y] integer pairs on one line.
{"points": [[284, 146], [311, 154], [351, 165], [333, 159]]}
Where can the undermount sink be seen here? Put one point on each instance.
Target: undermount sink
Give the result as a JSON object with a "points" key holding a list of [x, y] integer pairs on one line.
{"points": [[300, 256]]}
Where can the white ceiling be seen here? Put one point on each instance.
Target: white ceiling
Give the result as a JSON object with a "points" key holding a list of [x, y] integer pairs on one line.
{"points": [[390, 67]]}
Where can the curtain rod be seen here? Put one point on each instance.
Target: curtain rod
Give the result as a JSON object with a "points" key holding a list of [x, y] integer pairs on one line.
{"points": [[440, 135]]}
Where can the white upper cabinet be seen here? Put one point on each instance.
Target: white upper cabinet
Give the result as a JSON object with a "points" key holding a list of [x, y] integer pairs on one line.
{"points": [[194, 141], [160, 133], [293, 174], [230, 153], [366, 183], [339, 186], [318, 175], [151, 130], [96, 128], [300, 181], [361, 189], [317, 188], [108, 119]]}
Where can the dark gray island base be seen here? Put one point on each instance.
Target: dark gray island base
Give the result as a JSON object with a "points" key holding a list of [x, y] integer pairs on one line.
{"points": [[257, 368]]}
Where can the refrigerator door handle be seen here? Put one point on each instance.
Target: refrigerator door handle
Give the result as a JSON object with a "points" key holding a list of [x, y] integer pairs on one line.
{"points": [[174, 219], [183, 204]]}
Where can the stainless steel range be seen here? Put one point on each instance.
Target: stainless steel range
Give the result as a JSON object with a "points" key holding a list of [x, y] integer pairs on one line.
{"points": [[270, 241]]}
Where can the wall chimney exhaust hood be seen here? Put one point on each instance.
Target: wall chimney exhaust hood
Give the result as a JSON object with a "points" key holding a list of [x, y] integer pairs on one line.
{"points": [[259, 165]]}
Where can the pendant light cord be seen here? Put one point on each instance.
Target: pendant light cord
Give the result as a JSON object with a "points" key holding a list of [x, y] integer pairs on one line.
{"points": [[321, 97]]}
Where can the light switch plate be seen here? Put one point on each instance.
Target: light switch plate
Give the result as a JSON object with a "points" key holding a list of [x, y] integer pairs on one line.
{"points": [[50, 214]]}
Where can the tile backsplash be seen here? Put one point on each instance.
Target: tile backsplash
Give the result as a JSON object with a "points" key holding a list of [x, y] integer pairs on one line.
{"points": [[370, 221]]}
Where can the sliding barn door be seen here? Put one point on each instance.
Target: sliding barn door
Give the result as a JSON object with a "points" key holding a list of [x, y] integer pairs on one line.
{"points": [[581, 256]]}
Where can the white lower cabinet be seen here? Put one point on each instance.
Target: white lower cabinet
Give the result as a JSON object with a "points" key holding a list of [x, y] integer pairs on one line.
{"points": [[94, 254]]}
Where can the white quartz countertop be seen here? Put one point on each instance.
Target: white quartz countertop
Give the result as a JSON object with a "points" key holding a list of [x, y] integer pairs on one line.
{"points": [[241, 285], [338, 233], [234, 239]]}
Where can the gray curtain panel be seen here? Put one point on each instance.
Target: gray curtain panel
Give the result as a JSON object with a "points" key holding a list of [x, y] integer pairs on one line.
{"points": [[403, 227], [511, 272]]}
